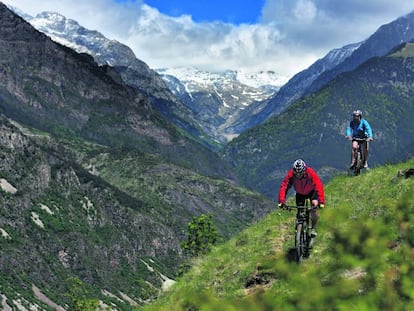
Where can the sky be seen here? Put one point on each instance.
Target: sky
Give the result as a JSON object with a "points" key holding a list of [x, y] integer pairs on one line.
{"points": [[285, 36]]}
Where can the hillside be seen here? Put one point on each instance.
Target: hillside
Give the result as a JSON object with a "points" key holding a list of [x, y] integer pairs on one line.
{"points": [[133, 71], [314, 127], [363, 258]]}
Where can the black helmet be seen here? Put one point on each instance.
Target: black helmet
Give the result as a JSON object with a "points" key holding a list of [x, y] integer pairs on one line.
{"points": [[299, 166], [357, 113]]}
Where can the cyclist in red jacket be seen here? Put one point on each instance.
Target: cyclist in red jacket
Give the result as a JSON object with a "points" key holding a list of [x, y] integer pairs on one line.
{"points": [[307, 184]]}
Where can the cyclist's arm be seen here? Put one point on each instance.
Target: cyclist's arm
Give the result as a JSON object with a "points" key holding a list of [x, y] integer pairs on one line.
{"points": [[285, 186], [368, 129]]}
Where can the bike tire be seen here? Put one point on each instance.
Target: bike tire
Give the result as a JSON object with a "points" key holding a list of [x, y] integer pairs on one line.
{"points": [[300, 243], [358, 163]]}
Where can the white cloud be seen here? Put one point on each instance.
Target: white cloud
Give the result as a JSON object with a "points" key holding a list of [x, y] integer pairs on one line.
{"points": [[291, 35], [305, 11]]}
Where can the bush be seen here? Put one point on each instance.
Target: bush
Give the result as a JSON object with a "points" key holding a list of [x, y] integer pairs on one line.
{"points": [[201, 235]]}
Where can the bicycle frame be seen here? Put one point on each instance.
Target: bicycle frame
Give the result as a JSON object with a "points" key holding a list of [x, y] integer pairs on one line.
{"points": [[359, 155]]}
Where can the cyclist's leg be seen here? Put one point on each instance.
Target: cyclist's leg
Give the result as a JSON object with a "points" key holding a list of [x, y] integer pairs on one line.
{"points": [[353, 150], [300, 199], [366, 148], [314, 212]]}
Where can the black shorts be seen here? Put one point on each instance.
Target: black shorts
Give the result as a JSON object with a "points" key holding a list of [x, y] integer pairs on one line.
{"points": [[301, 198]]}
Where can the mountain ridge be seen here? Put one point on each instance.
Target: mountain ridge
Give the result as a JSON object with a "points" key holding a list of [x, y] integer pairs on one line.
{"points": [[378, 44]]}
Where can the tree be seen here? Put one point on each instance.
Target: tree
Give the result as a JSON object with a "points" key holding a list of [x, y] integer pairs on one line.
{"points": [[201, 235], [79, 296]]}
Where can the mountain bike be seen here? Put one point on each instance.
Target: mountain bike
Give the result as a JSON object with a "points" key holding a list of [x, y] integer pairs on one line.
{"points": [[359, 156], [303, 238]]}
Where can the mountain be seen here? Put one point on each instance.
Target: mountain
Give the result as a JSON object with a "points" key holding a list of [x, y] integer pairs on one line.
{"points": [[197, 101], [96, 187], [313, 128], [333, 64], [133, 71], [362, 258], [378, 44], [294, 89], [53, 88], [219, 98]]}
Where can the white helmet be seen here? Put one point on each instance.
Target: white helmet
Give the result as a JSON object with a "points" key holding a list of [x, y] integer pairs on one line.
{"points": [[357, 113], [299, 166]]}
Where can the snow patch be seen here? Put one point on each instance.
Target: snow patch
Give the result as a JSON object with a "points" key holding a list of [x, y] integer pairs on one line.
{"points": [[6, 186], [36, 219], [167, 283], [43, 298], [4, 305], [4, 234], [46, 209]]}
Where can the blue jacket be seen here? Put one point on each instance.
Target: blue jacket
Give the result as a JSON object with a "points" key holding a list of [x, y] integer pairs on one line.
{"points": [[361, 130]]}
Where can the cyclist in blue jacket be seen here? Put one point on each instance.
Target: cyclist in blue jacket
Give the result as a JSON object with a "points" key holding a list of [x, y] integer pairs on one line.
{"points": [[359, 128]]}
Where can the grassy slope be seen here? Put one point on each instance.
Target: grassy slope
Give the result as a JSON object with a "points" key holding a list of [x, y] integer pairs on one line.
{"points": [[363, 257]]}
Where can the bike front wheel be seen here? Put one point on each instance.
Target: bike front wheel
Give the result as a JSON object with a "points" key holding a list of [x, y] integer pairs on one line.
{"points": [[358, 163], [300, 242]]}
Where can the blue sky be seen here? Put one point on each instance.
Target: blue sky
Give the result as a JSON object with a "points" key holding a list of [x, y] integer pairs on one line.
{"points": [[230, 11], [285, 36]]}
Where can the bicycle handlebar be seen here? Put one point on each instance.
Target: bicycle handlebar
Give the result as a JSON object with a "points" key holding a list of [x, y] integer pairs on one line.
{"points": [[290, 207], [361, 139]]}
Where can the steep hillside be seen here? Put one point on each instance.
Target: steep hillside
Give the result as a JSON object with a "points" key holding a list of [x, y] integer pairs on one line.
{"points": [[314, 127], [60, 222], [363, 258], [73, 211], [133, 71]]}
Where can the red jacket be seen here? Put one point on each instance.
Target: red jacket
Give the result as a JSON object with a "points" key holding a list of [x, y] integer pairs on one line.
{"points": [[310, 181]]}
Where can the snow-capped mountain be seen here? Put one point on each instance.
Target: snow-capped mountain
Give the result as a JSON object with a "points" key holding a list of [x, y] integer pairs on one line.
{"points": [[219, 98], [105, 51], [264, 82]]}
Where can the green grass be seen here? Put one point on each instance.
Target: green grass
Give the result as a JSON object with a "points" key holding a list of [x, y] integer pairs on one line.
{"points": [[407, 51], [363, 257]]}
